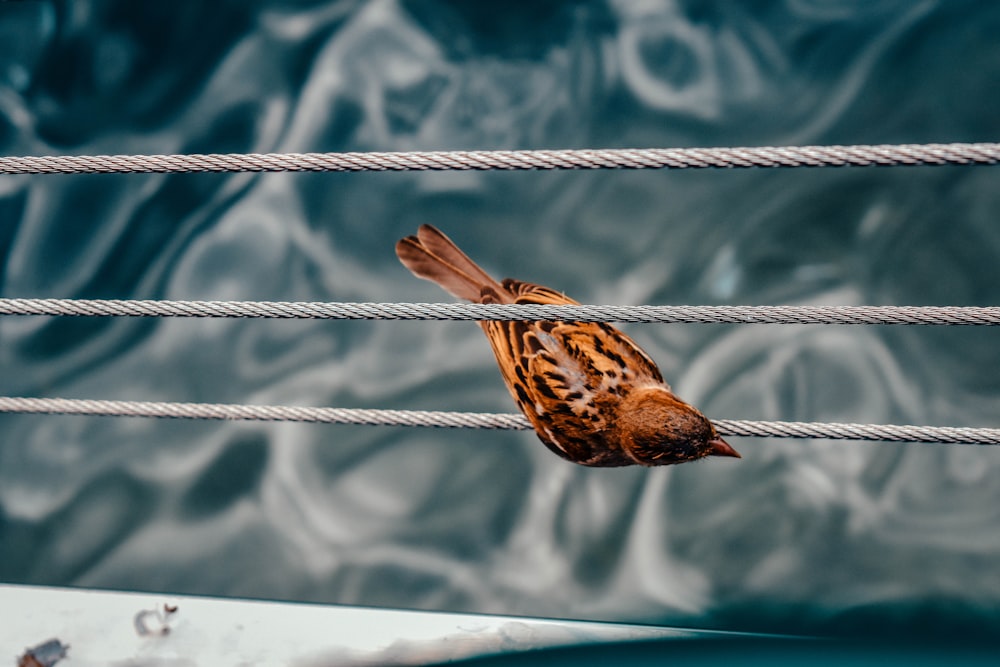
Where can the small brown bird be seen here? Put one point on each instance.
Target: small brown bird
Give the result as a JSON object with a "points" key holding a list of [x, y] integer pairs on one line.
{"points": [[593, 396]]}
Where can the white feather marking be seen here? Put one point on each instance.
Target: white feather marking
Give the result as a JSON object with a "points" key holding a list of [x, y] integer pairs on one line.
{"points": [[576, 378], [552, 439]]}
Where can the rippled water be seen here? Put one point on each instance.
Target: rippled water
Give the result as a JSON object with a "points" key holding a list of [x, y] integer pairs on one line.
{"points": [[801, 536]]}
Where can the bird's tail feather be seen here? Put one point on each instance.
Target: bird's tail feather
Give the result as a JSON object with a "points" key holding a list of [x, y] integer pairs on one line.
{"points": [[433, 256]]}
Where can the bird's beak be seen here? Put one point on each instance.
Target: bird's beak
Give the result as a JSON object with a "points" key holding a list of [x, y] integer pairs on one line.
{"points": [[719, 447]]}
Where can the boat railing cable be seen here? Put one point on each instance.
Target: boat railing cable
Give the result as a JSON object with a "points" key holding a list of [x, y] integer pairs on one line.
{"points": [[912, 315], [884, 155], [895, 315], [654, 158], [478, 420]]}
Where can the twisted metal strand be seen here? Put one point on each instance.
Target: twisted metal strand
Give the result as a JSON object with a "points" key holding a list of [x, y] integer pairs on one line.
{"points": [[941, 315], [646, 158], [848, 431], [479, 420], [70, 406]]}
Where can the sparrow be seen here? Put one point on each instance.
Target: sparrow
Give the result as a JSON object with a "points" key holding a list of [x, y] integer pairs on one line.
{"points": [[593, 396]]}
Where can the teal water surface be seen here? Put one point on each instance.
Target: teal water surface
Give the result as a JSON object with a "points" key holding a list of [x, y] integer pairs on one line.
{"points": [[798, 536]]}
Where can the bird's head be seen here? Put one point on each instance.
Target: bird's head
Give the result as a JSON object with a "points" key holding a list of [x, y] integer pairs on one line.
{"points": [[656, 428]]}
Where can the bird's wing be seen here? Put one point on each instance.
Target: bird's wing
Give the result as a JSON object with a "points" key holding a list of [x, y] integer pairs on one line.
{"points": [[608, 343], [565, 375], [523, 292]]}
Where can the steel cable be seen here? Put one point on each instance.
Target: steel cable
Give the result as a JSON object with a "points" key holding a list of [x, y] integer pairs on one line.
{"points": [[478, 420], [925, 315], [643, 158], [680, 158]]}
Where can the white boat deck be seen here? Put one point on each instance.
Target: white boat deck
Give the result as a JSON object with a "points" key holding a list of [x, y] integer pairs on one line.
{"points": [[106, 628]]}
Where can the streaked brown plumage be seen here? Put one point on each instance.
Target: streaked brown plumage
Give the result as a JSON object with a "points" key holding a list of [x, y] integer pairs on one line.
{"points": [[593, 396]]}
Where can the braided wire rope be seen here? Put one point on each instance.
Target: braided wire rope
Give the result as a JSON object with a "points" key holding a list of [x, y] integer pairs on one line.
{"points": [[680, 158], [926, 315], [478, 420], [642, 158]]}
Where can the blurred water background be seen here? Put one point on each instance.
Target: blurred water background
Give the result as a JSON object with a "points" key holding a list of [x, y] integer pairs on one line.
{"points": [[799, 536]]}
